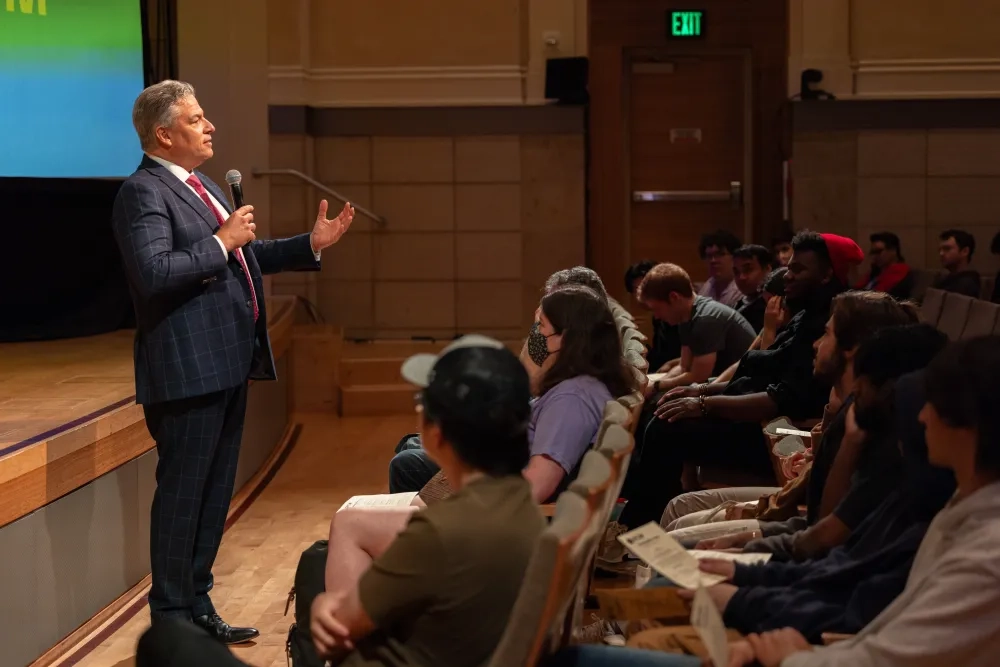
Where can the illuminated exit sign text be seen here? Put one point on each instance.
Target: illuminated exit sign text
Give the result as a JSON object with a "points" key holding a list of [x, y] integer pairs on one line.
{"points": [[685, 24]]}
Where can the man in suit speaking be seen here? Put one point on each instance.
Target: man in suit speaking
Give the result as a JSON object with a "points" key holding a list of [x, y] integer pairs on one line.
{"points": [[194, 269]]}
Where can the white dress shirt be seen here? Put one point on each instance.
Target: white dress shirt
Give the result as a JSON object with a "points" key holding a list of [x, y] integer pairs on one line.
{"points": [[183, 174]]}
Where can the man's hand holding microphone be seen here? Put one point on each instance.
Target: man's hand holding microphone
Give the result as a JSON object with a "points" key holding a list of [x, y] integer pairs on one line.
{"points": [[238, 229]]}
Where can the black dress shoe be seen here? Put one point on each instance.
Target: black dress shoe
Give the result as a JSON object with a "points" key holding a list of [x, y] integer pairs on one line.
{"points": [[223, 632]]}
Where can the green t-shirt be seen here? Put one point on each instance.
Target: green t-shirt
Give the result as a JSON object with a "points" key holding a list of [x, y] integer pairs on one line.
{"points": [[443, 592]]}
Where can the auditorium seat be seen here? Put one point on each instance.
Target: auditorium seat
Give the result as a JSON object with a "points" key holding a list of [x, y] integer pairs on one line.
{"points": [[930, 309], [982, 319], [536, 628], [923, 279], [954, 314]]}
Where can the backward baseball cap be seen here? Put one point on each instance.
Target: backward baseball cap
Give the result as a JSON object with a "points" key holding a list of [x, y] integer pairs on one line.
{"points": [[418, 369]]}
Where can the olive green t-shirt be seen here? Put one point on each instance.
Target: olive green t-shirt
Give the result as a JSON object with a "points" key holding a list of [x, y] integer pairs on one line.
{"points": [[443, 591]]}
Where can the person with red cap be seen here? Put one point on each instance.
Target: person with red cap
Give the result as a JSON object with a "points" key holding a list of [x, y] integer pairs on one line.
{"points": [[719, 424]]}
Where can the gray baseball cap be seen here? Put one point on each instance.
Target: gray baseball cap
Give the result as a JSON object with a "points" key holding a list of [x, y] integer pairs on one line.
{"points": [[419, 368]]}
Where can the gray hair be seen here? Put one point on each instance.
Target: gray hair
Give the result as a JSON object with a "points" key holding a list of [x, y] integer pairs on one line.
{"points": [[156, 107]]}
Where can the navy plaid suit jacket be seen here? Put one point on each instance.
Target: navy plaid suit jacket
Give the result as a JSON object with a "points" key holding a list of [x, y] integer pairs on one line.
{"points": [[195, 331]]}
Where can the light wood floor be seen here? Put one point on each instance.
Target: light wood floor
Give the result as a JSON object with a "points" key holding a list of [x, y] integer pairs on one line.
{"points": [[333, 460], [47, 384]]}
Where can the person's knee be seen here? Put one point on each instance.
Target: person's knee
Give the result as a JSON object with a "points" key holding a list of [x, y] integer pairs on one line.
{"points": [[654, 639], [409, 471]]}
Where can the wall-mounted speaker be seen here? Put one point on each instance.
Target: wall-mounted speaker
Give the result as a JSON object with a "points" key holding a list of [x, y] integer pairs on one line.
{"points": [[566, 80]]}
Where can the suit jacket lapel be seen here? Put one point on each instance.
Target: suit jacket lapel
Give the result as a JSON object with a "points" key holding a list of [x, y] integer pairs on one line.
{"points": [[216, 191], [182, 190]]}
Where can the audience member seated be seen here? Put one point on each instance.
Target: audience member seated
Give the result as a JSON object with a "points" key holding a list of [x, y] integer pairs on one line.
{"points": [[716, 250], [847, 482], [436, 587], [577, 345], [713, 335], [752, 264], [776, 315], [956, 250], [947, 612], [665, 344], [855, 318], [848, 588], [781, 246], [720, 423], [889, 272], [577, 275], [995, 250]]}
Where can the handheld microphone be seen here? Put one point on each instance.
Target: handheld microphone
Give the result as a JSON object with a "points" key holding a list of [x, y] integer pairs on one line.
{"points": [[234, 178]]}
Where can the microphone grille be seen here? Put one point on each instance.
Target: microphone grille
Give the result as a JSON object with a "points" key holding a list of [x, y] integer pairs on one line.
{"points": [[233, 177]]}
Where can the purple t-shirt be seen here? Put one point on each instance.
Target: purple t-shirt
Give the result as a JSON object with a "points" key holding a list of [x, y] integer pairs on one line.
{"points": [[564, 421]]}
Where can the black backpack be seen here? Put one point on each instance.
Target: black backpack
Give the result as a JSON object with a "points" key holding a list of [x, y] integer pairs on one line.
{"points": [[310, 581]]}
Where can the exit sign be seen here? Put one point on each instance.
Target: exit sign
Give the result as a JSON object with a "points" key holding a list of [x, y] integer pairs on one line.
{"points": [[685, 24]]}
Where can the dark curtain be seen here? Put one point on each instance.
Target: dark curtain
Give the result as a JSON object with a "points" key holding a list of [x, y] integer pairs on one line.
{"points": [[61, 274]]}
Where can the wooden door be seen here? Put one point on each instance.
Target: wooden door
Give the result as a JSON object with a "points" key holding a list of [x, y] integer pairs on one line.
{"points": [[688, 141]]}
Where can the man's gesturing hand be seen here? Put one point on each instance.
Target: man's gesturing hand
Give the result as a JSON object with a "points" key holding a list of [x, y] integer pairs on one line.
{"points": [[327, 232], [238, 229]]}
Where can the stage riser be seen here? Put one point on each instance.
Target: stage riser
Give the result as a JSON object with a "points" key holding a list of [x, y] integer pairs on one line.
{"points": [[71, 558]]}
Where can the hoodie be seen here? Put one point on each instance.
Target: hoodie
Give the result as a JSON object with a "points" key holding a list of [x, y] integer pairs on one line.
{"points": [[949, 610]]}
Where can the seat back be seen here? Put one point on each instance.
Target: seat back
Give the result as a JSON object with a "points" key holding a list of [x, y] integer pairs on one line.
{"points": [[634, 402], [954, 315], [930, 309], [614, 413], [617, 445], [636, 335], [636, 360], [982, 319], [535, 628], [594, 480]]}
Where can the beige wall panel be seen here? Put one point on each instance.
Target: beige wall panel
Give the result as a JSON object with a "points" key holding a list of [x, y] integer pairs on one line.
{"points": [[350, 258], [421, 256], [488, 159], [826, 204], [415, 305], [409, 208], [892, 202], [393, 33], [493, 207], [825, 154], [892, 153], [954, 202], [963, 153], [288, 151], [489, 305], [413, 160], [344, 159], [488, 256], [347, 303], [924, 29]]}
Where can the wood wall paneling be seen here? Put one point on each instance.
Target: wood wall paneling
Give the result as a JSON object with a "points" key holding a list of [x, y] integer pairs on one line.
{"points": [[617, 25]]}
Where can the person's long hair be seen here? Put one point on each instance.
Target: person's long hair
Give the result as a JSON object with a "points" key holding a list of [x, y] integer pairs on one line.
{"points": [[590, 341]]}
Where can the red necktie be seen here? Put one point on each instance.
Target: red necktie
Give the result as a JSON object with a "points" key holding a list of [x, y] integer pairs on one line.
{"points": [[195, 183]]}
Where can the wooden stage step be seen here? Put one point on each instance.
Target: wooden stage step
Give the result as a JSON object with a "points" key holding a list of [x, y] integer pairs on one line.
{"points": [[368, 377], [377, 399], [401, 349], [355, 372]]}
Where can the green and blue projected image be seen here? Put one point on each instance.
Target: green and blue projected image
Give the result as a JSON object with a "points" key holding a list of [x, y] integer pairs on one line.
{"points": [[69, 73]]}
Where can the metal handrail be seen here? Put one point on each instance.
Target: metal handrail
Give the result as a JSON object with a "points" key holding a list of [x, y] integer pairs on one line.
{"points": [[257, 173]]}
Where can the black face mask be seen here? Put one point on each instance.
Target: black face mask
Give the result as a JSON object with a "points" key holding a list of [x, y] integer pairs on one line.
{"points": [[538, 345]]}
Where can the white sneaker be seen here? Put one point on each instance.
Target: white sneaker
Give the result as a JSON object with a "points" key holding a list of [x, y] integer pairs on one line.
{"points": [[611, 551]]}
